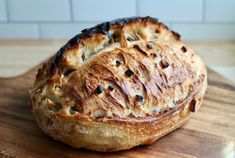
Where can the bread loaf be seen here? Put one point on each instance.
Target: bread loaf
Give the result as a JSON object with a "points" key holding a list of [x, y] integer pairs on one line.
{"points": [[117, 85]]}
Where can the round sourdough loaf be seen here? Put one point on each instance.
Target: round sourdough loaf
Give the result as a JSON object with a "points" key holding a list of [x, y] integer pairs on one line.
{"points": [[117, 85]]}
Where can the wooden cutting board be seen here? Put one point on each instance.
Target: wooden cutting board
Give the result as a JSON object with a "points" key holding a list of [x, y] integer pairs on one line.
{"points": [[210, 133]]}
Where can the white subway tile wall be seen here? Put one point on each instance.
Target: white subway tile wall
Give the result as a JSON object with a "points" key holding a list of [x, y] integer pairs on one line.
{"points": [[65, 31], [62, 19], [206, 31], [99, 10], [173, 11], [19, 31], [39, 10], [220, 10]]}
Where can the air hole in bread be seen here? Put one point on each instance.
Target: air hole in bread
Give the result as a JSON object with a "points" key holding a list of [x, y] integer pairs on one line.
{"points": [[110, 87], [56, 107], [155, 65], [153, 55], [130, 39], [149, 46], [157, 31], [118, 60], [57, 88], [116, 37], [68, 71], [83, 56], [73, 110], [118, 63], [192, 105], [164, 64]]}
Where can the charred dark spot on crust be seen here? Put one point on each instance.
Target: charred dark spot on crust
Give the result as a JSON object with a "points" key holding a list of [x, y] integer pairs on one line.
{"points": [[129, 72], [68, 45], [52, 69], [164, 64], [59, 55], [111, 88], [101, 28], [184, 49], [99, 89], [177, 36], [192, 105], [139, 98]]}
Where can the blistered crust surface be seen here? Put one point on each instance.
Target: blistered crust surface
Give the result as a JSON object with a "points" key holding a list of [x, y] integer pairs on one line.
{"points": [[132, 70]]}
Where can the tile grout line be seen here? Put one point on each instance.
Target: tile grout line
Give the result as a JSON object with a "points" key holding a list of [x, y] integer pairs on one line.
{"points": [[197, 22], [90, 22], [71, 11], [137, 7], [50, 22], [7, 10], [203, 11]]}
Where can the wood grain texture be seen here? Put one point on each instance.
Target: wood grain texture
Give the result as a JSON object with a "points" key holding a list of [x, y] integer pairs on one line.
{"points": [[210, 133]]}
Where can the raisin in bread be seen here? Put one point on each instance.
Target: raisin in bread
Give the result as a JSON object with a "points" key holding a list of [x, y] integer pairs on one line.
{"points": [[117, 85]]}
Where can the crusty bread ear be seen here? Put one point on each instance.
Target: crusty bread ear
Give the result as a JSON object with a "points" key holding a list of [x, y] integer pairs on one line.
{"points": [[111, 35], [117, 85]]}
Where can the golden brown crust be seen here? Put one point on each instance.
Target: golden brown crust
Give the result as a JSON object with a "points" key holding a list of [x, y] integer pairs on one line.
{"points": [[122, 83]]}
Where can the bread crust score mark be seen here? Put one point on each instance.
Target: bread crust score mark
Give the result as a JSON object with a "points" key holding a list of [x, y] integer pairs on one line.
{"points": [[117, 85]]}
